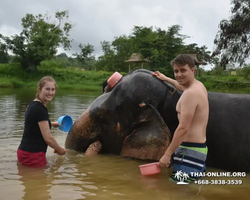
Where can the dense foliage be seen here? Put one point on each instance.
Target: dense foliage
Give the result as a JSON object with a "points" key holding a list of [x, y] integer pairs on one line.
{"points": [[13, 76], [232, 40], [39, 39], [35, 49], [158, 46]]}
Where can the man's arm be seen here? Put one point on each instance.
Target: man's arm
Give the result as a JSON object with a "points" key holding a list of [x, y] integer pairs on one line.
{"points": [[162, 77]]}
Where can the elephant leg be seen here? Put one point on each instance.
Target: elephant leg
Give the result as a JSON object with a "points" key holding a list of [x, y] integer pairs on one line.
{"points": [[150, 138], [94, 148]]}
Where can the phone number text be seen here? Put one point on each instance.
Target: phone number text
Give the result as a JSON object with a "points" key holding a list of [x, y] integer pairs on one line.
{"points": [[218, 182]]}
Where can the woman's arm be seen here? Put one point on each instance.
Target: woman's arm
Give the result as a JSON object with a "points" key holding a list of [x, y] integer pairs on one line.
{"points": [[55, 124], [49, 139]]}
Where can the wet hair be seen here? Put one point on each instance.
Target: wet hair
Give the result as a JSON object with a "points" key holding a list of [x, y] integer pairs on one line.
{"points": [[182, 60], [41, 84]]}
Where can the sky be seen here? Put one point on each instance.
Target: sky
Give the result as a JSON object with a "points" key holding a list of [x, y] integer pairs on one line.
{"points": [[103, 20]]}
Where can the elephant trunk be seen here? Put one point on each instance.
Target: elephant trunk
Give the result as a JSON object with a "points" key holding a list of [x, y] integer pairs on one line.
{"points": [[82, 134], [94, 148]]}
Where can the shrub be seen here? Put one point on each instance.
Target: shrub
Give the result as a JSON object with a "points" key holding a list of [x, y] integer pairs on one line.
{"points": [[233, 79], [245, 72], [50, 64]]}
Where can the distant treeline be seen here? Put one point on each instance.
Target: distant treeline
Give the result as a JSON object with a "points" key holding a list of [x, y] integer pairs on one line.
{"points": [[13, 76], [40, 38]]}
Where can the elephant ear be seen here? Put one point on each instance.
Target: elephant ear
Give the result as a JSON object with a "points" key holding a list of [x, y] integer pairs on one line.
{"points": [[150, 138]]}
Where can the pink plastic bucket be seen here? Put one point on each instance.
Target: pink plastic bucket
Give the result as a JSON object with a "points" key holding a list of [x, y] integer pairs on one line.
{"points": [[150, 169], [114, 79]]}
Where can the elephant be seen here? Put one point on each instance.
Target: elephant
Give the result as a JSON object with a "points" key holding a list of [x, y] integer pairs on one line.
{"points": [[138, 118]]}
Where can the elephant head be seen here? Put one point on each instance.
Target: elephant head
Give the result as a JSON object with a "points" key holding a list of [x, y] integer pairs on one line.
{"points": [[135, 119]]}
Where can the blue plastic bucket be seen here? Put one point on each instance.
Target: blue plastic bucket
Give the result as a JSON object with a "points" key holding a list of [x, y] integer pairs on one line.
{"points": [[65, 122]]}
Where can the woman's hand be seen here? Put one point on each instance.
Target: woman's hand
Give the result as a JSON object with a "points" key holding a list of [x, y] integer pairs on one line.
{"points": [[55, 124], [61, 152]]}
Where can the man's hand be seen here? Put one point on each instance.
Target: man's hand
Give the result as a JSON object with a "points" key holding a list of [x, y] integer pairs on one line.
{"points": [[142, 104], [165, 161], [173, 82], [160, 76]]}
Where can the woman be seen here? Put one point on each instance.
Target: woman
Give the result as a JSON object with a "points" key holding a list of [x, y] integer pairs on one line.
{"points": [[37, 135]]}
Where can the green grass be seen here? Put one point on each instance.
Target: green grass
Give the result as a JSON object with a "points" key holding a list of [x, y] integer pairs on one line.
{"points": [[12, 76], [71, 78], [228, 84], [10, 82]]}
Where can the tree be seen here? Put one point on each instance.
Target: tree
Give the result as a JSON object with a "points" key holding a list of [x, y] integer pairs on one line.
{"points": [[86, 51], [62, 55], [123, 48], [4, 56], [232, 40], [159, 46], [105, 62], [202, 53], [39, 39], [143, 39], [85, 57]]}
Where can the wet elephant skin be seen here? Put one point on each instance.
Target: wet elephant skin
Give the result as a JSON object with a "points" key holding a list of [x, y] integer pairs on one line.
{"points": [[125, 128]]}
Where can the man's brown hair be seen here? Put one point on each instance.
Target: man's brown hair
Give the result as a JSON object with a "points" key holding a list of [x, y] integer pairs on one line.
{"points": [[182, 60]]}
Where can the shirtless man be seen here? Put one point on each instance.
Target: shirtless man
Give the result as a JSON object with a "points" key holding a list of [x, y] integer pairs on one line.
{"points": [[188, 143]]}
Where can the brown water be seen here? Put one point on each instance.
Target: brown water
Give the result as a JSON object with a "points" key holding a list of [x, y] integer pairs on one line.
{"points": [[75, 176]]}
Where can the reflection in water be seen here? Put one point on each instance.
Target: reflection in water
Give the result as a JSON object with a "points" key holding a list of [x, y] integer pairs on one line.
{"points": [[35, 182], [76, 176]]}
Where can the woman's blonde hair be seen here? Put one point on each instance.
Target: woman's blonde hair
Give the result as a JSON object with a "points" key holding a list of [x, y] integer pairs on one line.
{"points": [[42, 82]]}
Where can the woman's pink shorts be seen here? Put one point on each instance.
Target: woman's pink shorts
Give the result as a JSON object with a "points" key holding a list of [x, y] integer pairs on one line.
{"points": [[31, 159]]}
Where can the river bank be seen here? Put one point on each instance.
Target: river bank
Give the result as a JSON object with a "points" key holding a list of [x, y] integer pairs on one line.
{"points": [[13, 76]]}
